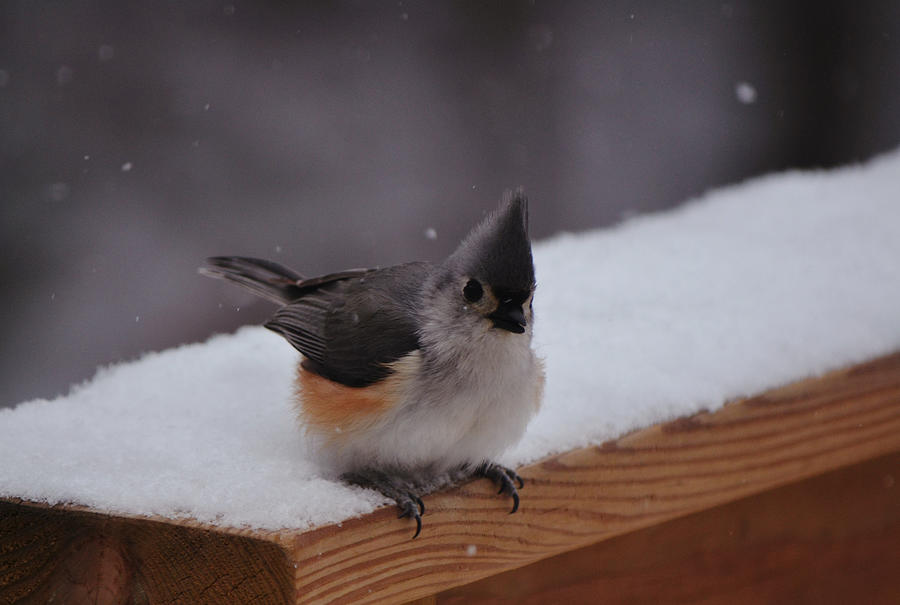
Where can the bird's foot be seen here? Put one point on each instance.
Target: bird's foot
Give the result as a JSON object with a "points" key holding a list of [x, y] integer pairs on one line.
{"points": [[395, 488], [506, 478]]}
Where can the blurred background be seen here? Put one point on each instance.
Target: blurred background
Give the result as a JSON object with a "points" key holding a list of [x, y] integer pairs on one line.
{"points": [[136, 139]]}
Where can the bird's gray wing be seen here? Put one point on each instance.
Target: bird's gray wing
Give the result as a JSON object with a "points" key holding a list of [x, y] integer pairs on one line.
{"points": [[350, 326]]}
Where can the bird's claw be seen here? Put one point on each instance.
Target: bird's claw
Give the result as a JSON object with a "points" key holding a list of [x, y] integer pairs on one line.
{"points": [[394, 487], [506, 478], [419, 502], [412, 506]]}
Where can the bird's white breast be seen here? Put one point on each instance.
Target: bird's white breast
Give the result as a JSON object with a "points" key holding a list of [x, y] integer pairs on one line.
{"points": [[466, 412]]}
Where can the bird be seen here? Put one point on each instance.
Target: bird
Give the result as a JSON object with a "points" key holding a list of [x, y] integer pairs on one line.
{"points": [[414, 376]]}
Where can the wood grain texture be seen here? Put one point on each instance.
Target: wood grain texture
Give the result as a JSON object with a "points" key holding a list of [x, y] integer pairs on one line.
{"points": [[569, 501], [69, 555], [829, 539]]}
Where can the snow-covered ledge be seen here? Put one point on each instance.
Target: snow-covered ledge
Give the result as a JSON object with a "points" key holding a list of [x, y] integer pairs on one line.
{"points": [[185, 471]]}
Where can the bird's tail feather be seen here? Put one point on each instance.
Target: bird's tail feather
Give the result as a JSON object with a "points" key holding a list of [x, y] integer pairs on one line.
{"points": [[264, 278]]}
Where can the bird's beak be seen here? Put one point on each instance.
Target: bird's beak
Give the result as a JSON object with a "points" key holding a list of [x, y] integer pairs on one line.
{"points": [[510, 318]]}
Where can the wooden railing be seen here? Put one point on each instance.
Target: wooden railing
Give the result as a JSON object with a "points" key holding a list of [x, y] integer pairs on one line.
{"points": [[809, 471]]}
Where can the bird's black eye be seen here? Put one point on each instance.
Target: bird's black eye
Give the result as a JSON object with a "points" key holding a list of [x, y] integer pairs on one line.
{"points": [[473, 290]]}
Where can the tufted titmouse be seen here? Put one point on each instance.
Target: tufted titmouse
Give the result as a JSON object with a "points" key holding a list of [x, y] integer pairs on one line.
{"points": [[417, 375]]}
